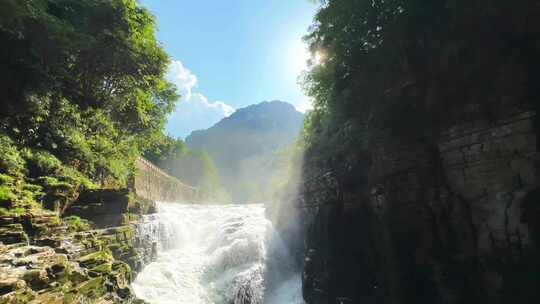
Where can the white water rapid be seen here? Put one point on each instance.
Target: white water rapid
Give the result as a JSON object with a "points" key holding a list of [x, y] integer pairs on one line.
{"points": [[218, 254]]}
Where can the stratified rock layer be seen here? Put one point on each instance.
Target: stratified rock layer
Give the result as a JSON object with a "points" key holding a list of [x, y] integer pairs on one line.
{"points": [[453, 220], [41, 261]]}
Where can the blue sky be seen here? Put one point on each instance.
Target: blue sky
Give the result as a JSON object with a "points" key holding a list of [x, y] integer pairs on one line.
{"points": [[230, 54]]}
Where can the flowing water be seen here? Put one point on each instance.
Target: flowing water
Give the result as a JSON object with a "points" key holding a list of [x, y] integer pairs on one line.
{"points": [[218, 254]]}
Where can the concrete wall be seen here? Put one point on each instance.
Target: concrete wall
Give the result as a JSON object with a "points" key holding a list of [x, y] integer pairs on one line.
{"points": [[152, 183]]}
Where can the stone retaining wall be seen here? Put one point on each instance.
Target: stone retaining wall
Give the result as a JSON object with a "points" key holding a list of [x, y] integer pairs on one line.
{"points": [[152, 183]]}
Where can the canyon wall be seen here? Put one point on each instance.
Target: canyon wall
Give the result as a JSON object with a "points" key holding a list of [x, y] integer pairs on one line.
{"points": [[454, 220], [152, 183]]}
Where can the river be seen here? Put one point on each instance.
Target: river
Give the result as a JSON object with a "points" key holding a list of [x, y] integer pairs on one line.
{"points": [[216, 254]]}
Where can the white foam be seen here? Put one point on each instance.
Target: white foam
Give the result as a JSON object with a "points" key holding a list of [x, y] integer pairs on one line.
{"points": [[216, 254]]}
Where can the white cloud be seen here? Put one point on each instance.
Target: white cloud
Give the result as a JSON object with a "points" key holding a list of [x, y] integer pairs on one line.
{"points": [[217, 105], [183, 78], [194, 111]]}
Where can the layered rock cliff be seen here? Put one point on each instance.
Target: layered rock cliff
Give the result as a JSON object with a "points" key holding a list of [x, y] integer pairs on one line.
{"points": [[44, 259], [88, 250], [454, 220]]}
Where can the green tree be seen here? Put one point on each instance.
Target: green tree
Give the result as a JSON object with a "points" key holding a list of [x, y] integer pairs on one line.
{"points": [[391, 67], [83, 79]]}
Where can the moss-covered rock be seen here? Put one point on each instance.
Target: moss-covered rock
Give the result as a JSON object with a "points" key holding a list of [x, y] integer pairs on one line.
{"points": [[92, 288], [49, 298], [37, 279], [68, 261], [75, 224], [95, 259], [13, 233], [39, 274], [19, 296], [104, 207], [10, 284]]}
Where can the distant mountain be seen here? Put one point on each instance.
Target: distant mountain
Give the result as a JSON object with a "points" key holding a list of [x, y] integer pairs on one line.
{"points": [[244, 145]]}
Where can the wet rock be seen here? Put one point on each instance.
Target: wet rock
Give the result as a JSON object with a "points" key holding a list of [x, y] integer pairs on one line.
{"points": [[95, 259], [37, 279], [42, 262], [12, 234], [9, 284], [49, 298]]}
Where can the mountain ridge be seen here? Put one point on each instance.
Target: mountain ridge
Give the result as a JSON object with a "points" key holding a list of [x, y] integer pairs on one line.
{"points": [[243, 144]]}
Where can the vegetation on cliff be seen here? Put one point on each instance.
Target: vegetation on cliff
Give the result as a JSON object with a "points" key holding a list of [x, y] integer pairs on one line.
{"points": [[410, 67], [83, 95], [408, 177]]}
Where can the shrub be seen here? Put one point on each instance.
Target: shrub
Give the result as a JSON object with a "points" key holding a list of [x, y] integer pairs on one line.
{"points": [[6, 194], [11, 161], [75, 223], [41, 162]]}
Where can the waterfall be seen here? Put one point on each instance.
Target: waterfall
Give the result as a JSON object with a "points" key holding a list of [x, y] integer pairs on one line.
{"points": [[217, 254]]}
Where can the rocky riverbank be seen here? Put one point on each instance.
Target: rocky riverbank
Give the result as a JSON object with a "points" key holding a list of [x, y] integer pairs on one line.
{"points": [[45, 258]]}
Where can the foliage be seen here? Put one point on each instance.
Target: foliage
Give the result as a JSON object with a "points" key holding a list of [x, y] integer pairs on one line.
{"points": [[84, 81], [164, 149], [407, 68], [11, 161], [286, 171], [6, 194], [84, 93], [41, 162]]}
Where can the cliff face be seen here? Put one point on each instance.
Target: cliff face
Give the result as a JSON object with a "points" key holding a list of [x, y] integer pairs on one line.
{"points": [[56, 256], [442, 203], [452, 220], [43, 260]]}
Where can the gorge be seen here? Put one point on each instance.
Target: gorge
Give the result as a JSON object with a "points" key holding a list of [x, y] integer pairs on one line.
{"points": [[411, 178]]}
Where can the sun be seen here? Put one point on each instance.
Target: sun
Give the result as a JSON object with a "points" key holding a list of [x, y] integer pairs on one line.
{"points": [[318, 58], [301, 59]]}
